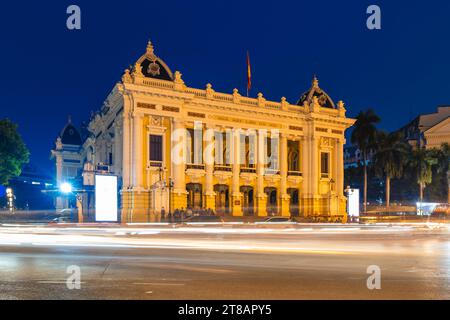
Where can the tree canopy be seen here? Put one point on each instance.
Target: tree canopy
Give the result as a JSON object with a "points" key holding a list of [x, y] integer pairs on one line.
{"points": [[13, 151], [390, 158]]}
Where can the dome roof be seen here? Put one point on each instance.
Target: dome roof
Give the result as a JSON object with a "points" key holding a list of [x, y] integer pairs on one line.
{"points": [[151, 66], [315, 91], [70, 135]]}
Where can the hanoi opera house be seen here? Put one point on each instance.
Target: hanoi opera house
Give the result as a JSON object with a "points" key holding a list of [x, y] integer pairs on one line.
{"points": [[177, 147]]}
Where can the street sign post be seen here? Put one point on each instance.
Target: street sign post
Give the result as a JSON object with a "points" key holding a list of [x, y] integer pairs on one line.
{"points": [[353, 202]]}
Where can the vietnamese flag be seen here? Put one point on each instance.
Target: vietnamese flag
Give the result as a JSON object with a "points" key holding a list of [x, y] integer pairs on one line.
{"points": [[249, 74]]}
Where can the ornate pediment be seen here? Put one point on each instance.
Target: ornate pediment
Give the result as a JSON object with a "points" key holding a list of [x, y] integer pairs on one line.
{"points": [[150, 65], [195, 175], [442, 127], [223, 176]]}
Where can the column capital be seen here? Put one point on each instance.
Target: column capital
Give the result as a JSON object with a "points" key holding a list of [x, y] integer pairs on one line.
{"points": [[137, 115], [127, 116]]}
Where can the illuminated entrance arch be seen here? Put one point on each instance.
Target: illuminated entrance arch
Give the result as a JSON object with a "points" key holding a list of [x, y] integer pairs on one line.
{"points": [[248, 200]]}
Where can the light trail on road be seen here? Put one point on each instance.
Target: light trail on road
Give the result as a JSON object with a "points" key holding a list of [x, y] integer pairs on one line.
{"points": [[186, 237], [223, 261]]}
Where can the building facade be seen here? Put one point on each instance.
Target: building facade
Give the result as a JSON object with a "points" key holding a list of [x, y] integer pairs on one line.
{"points": [[177, 147], [30, 190]]}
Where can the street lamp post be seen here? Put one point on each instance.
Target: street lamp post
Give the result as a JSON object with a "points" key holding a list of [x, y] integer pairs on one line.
{"points": [[80, 212], [330, 195]]}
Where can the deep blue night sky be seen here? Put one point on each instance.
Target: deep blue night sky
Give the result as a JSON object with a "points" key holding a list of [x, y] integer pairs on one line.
{"points": [[49, 72]]}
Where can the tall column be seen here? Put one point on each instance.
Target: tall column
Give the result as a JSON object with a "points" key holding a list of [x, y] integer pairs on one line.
{"points": [[59, 165], [448, 182], [209, 164], [126, 149], [284, 197], [315, 171], [305, 156], [127, 201], [311, 177], [139, 199], [178, 136], [340, 168], [236, 196], [137, 151], [260, 171]]}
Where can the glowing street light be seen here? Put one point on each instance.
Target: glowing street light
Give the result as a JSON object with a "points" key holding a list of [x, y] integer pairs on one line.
{"points": [[66, 187]]}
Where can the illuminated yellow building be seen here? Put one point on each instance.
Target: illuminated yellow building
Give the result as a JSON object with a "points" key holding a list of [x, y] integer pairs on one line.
{"points": [[176, 147]]}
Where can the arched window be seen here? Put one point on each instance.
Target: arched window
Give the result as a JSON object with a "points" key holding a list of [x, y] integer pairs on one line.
{"points": [[194, 196], [248, 160]]}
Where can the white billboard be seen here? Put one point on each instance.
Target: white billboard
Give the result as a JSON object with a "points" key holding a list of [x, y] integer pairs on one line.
{"points": [[106, 198], [353, 202]]}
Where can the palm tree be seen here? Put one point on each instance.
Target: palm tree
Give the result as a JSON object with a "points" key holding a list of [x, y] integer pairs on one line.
{"points": [[390, 159], [422, 162], [364, 137]]}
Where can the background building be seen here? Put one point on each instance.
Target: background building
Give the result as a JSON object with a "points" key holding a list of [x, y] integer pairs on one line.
{"points": [[353, 157], [429, 130], [177, 147]]}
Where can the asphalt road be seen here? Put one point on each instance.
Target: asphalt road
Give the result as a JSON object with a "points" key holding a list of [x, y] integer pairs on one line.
{"points": [[232, 262]]}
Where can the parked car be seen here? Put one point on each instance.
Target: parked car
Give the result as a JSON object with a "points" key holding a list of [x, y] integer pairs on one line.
{"points": [[60, 220], [280, 220], [68, 211]]}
